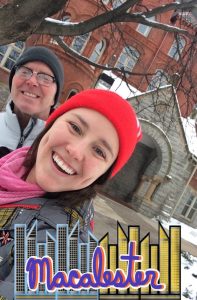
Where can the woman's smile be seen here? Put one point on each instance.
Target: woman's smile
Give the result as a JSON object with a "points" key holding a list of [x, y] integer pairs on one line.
{"points": [[62, 166], [80, 147]]}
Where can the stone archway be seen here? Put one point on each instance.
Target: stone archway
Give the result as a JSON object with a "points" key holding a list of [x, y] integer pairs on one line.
{"points": [[158, 171], [149, 166]]}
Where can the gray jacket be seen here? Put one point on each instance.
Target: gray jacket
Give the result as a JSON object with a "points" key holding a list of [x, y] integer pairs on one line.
{"points": [[11, 132]]}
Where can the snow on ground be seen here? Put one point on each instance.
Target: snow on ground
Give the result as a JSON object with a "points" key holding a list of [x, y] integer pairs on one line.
{"points": [[187, 233], [189, 265], [190, 133], [188, 281]]}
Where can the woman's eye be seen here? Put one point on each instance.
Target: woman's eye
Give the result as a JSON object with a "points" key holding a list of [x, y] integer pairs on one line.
{"points": [[76, 128], [100, 152]]}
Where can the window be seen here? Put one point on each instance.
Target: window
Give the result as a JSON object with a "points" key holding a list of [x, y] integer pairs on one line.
{"points": [[128, 58], [144, 29], [98, 51], [177, 48], [80, 42], [9, 54], [117, 3], [158, 80], [190, 207]]}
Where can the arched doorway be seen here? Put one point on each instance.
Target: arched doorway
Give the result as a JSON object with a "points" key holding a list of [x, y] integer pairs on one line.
{"points": [[151, 162]]}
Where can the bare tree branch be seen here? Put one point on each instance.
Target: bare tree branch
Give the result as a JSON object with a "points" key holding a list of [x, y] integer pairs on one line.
{"points": [[20, 18], [74, 54], [80, 28], [141, 18], [30, 17], [117, 15], [170, 7]]}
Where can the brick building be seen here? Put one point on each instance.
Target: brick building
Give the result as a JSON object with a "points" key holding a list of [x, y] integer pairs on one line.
{"points": [[135, 47], [140, 49]]}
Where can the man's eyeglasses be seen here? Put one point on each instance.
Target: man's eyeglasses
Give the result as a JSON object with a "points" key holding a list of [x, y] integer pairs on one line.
{"points": [[42, 78]]}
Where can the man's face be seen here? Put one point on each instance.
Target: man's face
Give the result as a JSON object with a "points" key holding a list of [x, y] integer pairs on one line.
{"points": [[29, 96]]}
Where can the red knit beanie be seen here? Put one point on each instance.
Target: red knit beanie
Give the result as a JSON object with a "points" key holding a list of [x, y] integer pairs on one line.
{"points": [[115, 109]]}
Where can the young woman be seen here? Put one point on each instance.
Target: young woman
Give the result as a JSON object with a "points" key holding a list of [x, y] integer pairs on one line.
{"points": [[86, 141]]}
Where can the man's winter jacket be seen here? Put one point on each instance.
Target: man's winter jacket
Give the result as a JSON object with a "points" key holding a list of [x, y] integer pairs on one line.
{"points": [[11, 136]]}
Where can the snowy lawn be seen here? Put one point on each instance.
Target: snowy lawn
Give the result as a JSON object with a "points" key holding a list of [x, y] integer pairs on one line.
{"points": [[188, 262]]}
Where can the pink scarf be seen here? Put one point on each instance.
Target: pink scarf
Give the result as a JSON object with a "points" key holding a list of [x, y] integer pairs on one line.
{"points": [[12, 187]]}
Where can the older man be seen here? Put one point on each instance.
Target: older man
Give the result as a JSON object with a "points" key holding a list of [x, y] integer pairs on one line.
{"points": [[36, 82]]}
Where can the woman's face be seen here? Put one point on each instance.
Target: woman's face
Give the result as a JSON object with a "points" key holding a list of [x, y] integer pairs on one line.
{"points": [[79, 147]]}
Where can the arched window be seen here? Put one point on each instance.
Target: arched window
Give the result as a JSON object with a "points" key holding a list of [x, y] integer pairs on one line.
{"points": [[10, 53], [80, 42], [158, 80], [98, 51], [177, 47], [145, 29], [128, 58]]}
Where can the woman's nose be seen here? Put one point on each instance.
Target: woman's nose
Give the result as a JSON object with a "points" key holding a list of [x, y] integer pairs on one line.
{"points": [[76, 151]]}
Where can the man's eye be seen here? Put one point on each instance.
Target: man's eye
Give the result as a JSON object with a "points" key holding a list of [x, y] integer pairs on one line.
{"points": [[76, 128], [99, 152], [25, 72], [45, 77]]}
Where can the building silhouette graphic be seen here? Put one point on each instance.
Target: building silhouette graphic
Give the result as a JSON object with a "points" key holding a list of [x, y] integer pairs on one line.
{"points": [[68, 253], [20, 258], [164, 257]]}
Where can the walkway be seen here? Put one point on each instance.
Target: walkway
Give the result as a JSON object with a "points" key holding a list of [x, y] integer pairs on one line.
{"points": [[108, 212]]}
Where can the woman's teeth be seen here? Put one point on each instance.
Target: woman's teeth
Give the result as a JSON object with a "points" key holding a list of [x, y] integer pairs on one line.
{"points": [[59, 162]]}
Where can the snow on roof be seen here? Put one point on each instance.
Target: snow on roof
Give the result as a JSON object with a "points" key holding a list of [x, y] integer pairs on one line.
{"points": [[122, 88]]}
